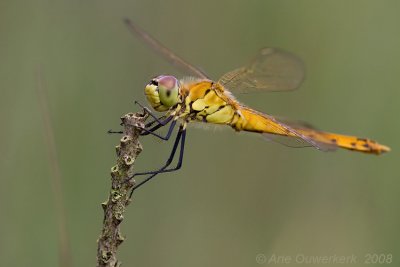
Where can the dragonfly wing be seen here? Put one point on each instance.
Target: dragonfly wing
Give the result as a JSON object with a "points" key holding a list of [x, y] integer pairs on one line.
{"points": [[165, 52], [271, 70], [298, 142], [302, 134], [295, 124]]}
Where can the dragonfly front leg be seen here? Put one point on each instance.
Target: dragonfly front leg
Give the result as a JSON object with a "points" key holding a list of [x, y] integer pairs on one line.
{"points": [[161, 123], [147, 131], [180, 137], [148, 111]]}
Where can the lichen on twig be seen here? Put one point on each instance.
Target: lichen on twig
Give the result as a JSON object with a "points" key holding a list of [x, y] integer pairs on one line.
{"points": [[118, 199]]}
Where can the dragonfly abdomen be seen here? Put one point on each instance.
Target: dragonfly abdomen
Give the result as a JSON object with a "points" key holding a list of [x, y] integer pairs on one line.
{"points": [[345, 141], [254, 121]]}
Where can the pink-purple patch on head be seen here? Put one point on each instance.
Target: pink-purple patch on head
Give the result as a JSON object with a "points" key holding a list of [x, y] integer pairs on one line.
{"points": [[167, 81]]}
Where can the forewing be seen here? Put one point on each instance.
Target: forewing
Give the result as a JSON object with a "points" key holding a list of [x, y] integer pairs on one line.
{"points": [[165, 52], [271, 70]]}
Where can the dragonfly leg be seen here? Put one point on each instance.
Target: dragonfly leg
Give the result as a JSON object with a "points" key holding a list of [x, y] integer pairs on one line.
{"points": [[167, 136], [114, 132], [159, 125], [151, 130], [148, 111], [158, 120], [146, 129], [181, 137]]}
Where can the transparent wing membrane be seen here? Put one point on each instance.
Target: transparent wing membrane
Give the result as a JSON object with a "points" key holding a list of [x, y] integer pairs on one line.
{"points": [[300, 134], [295, 124], [287, 141], [298, 142], [271, 70], [165, 52]]}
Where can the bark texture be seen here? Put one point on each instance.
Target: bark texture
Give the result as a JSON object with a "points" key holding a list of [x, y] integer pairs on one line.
{"points": [[114, 208]]}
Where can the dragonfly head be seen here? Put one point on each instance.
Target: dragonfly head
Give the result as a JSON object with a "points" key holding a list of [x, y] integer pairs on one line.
{"points": [[162, 92]]}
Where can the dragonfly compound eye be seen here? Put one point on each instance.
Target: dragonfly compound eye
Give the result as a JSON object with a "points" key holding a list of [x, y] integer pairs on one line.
{"points": [[168, 90], [162, 92]]}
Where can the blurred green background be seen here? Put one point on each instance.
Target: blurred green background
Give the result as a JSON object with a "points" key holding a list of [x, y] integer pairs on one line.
{"points": [[236, 196]]}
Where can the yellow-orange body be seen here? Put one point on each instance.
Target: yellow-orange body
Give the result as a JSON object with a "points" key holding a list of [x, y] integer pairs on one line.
{"points": [[209, 102]]}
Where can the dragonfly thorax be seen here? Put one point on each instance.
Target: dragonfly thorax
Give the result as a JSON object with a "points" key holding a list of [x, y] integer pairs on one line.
{"points": [[162, 92]]}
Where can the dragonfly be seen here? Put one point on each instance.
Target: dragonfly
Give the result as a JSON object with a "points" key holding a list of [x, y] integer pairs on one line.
{"points": [[198, 98]]}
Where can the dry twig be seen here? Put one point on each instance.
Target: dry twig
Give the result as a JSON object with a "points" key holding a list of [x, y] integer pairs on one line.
{"points": [[118, 199]]}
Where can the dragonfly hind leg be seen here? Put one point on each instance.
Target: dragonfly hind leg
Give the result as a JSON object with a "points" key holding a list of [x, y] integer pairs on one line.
{"points": [[180, 138]]}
